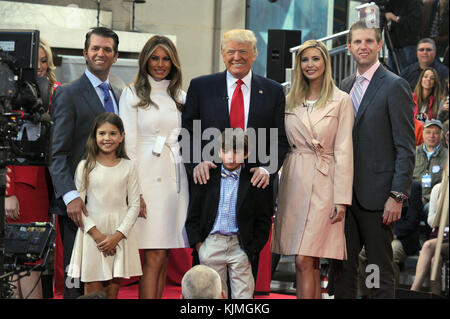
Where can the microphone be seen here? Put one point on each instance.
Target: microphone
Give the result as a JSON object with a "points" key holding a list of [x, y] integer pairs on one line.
{"points": [[225, 98]]}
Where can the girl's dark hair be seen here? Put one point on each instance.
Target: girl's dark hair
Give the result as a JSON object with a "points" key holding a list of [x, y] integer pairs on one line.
{"points": [[92, 148]]}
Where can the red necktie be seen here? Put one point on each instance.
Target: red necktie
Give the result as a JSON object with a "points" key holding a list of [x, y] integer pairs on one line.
{"points": [[237, 116]]}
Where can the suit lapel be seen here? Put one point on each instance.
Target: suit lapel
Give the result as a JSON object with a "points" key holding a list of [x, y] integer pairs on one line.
{"points": [[256, 98], [244, 184], [221, 101], [319, 114], [348, 84], [90, 96], [374, 85], [215, 198], [302, 125]]}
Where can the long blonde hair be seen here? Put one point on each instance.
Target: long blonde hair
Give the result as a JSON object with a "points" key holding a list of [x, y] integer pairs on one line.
{"points": [[141, 82], [300, 84], [50, 74]]}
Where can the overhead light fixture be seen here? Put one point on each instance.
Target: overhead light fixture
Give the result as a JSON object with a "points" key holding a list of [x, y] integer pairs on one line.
{"points": [[98, 13], [132, 20]]}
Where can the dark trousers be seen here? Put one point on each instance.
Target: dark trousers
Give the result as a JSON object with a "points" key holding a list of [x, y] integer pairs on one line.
{"points": [[73, 288], [366, 228]]}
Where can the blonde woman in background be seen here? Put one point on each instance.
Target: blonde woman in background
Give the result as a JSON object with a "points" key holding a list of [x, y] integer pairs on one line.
{"points": [[316, 181]]}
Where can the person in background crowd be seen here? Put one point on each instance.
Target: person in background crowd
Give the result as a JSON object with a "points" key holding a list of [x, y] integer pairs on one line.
{"points": [[402, 17], [426, 56], [430, 159], [435, 23], [427, 95], [443, 108], [426, 257], [27, 197], [316, 181], [151, 111], [418, 131]]}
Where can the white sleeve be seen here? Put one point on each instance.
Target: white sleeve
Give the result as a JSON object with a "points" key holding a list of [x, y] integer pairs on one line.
{"points": [[133, 201], [88, 222], [129, 116]]}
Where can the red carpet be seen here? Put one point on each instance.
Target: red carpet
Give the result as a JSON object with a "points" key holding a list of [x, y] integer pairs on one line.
{"points": [[174, 292]]}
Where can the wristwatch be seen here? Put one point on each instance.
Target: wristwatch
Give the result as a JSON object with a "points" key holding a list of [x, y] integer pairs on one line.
{"points": [[399, 197]]}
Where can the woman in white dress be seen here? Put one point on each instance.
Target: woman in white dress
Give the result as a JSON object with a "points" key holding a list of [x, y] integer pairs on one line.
{"points": [[150, 108]]}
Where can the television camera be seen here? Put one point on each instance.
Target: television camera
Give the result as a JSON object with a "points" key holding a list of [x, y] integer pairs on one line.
{"points": [[25, 139]]}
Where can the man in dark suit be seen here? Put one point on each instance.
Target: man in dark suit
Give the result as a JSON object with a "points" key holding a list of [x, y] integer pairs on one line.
{"points": [[383, 147], [255, 104], [74, 108]]}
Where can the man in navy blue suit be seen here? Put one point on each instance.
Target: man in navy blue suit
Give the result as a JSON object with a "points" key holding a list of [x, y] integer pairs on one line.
{"points": [[237, 98]]}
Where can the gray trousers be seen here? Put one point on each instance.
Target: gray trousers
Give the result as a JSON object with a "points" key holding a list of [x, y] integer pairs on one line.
{"points": [[225, 255]]}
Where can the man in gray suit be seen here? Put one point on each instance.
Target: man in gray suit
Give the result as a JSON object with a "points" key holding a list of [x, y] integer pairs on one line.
{"points": [[74, 108], [383, 147]]}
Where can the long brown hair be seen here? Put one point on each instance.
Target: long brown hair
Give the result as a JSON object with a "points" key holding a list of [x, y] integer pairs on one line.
{"points": [[92, 148], [300, 84], [436, 92], [141, 82]]}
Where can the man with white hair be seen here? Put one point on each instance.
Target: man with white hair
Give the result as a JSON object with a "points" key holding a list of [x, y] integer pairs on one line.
{"points": [[201, 282], [237, 98]]}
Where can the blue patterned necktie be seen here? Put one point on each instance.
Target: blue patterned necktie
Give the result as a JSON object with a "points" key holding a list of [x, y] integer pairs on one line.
{"points": [[107, 99], [233, 174], [357, 93]]}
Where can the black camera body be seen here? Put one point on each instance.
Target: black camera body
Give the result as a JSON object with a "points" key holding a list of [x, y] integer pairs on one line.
{"points": [[25, 126]]}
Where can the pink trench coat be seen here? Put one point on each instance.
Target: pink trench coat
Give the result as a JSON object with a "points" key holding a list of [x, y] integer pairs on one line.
{"points": [[317, 174]]}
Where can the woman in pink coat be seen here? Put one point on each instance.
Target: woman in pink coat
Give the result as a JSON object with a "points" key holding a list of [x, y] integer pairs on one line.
{"points": [[317, 174]]}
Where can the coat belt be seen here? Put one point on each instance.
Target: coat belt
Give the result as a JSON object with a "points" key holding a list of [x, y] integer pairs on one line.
{"points": [[323, 158]]}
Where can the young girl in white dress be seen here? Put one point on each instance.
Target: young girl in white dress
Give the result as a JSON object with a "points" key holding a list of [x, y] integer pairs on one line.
{"points": [[105, 250]]}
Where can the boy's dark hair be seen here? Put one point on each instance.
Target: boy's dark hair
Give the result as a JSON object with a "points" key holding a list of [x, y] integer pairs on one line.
{"points": [[105, 33], [233, 139]]}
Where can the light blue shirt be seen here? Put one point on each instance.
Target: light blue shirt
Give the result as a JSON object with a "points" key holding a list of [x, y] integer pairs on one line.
{"points": [[225, 222], [95, 81]]}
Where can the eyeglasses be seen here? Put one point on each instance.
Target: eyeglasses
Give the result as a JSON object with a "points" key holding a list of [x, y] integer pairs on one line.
{"points": [[425, 49]]}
